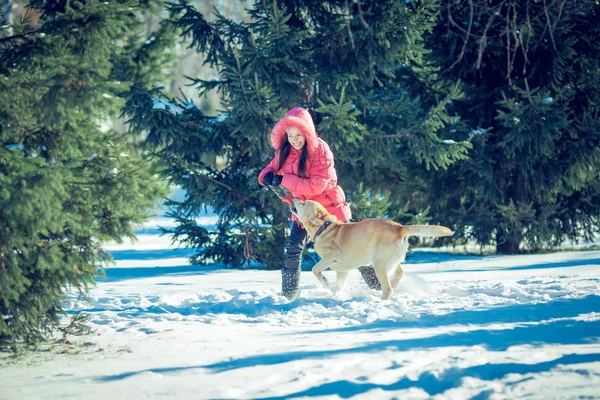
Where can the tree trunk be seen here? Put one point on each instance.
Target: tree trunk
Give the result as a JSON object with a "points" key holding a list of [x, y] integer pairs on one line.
{"points": [[507, 243], [509, 247]]}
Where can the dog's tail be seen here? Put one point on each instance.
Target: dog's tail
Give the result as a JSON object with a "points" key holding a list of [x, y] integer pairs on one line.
{"points": [[427, 230]]}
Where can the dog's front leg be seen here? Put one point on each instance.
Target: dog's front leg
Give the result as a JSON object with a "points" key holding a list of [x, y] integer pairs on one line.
{"points": [[318, 269]]}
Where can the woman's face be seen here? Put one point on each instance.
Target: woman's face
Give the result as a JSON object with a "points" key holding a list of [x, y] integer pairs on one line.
{"points": [[296, 138]]}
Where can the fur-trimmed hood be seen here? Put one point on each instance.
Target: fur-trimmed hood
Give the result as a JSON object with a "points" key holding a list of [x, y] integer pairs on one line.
{"points": [[301, 119]]}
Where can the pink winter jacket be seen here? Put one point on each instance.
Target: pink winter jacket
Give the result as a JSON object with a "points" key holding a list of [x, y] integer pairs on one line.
{"points": [[320, 183]]}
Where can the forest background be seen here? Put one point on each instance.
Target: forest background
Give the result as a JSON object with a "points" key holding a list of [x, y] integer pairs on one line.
{"points": [[482, 116]]}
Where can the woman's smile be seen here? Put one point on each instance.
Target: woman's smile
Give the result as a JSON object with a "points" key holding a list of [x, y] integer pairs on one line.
{"points": [[296, 138]]}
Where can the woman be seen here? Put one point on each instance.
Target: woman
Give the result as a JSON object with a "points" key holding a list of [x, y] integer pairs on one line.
{"points": [[303, 164]]}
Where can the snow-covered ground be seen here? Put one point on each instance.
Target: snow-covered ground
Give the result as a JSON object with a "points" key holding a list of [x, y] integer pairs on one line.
{"points": [[457, 327]]}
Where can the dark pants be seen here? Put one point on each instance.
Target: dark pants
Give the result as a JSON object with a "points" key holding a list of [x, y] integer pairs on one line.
{"points": [[293, 257], [295, 246]]}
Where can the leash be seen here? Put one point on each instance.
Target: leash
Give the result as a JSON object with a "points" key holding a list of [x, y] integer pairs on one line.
{"points": [[282, 192]]}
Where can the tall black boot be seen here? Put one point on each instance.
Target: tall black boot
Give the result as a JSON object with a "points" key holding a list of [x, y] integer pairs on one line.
{"points": [[370, 277], [290, 283], [290, 273]]}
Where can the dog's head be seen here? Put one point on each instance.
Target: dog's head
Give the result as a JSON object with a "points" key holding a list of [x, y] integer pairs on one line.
{"points": [[311, 213]]}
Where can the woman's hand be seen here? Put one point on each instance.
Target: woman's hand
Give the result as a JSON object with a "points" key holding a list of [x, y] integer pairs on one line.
{"points": [[276, 181], [268, 178]]}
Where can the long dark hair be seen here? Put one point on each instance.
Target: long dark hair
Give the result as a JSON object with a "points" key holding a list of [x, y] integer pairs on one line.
{"points": [[284, 152]]}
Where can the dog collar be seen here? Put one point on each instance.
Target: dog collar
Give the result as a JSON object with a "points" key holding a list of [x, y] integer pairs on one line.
{"points": [[322, 228]]}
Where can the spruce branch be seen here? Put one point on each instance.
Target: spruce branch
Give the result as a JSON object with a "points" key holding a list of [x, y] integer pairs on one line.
{"points": [[483, 40], [361, 16], [248, 248], [276, 13], [216, 182], [467, 35], [76, 326], [487, 10], [242, 86], [525, 46], [23, 35], [348, 19], [550, 28], [508, 63], [404, 133]]}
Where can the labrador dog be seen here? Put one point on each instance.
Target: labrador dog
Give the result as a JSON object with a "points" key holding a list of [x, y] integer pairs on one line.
{"points": [[346, 246]]}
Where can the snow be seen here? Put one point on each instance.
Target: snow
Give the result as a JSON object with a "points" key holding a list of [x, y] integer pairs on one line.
{"points": [[162, 104], [478, 131], [458, 326]]}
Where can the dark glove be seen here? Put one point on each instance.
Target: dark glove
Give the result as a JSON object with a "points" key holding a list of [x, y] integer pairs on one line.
{"points": [[268, 178], [277, 180]]}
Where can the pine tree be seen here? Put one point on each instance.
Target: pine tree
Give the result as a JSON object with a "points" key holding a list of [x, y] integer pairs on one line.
{"points": [[67, 184], [529, 72], [354, 65]]}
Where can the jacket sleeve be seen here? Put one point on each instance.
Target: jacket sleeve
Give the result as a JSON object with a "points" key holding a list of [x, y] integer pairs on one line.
{"points": [[321, 172], [272, 166]]}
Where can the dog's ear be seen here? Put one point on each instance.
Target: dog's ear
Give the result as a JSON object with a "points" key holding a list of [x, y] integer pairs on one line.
{"points": [[316, 219]]}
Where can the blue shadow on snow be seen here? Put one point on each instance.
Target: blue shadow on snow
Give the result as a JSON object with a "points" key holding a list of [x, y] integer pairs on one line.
{"points": [[508, 314], [119, 274], [557, 332], [449, 379], [151, 254], [558, 264], [531, 332]]}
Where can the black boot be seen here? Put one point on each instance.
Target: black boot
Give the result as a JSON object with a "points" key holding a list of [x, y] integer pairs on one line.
{"points": [[290, 273], [370, 277], [290, 283]]}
